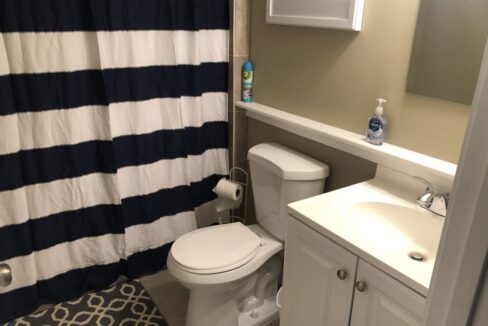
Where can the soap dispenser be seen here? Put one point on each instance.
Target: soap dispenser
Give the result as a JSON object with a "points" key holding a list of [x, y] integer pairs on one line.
{"points": [[377, 125]]}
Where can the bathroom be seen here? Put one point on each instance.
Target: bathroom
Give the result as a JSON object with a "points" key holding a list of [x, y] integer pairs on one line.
{"points": [[120, 118]]}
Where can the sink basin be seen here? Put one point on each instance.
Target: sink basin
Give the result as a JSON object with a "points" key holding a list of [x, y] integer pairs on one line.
{"points": [[397, 228], [381, 223]]}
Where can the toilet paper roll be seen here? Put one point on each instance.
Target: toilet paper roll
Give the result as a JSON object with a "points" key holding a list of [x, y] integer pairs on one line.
{"points": [[228, 189], [230, 195]]}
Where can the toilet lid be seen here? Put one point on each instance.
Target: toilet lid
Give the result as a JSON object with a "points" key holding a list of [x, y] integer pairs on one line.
{"points": [[216, 249]]}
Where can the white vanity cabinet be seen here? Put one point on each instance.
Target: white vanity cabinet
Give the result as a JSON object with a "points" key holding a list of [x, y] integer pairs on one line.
{"points": [[327, 285], [318, 278], [380, 300]]}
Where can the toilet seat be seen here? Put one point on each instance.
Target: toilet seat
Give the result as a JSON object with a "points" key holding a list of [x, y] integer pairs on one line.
{"points": [[270, 247], [216, 249]]}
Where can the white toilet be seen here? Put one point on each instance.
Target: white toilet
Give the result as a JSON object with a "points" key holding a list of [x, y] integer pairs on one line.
{"points": [[232, 270]]}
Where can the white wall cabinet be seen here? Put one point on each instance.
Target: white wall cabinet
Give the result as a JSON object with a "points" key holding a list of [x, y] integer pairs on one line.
{"points": [[326, 285], [340, 14]]}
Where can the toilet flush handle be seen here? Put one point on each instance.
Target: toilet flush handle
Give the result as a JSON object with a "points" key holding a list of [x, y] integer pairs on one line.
{"points": [[5, 275]]}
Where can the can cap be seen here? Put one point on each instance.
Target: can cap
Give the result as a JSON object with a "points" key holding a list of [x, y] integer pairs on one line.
{"points": [[247, 66]]}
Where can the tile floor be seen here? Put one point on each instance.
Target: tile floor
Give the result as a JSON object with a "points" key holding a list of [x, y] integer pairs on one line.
{"points": [[172, 298], [99, 308]]}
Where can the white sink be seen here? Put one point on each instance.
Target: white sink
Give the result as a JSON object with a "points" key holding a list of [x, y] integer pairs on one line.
{"points": [[397, 228], [381, 223]]}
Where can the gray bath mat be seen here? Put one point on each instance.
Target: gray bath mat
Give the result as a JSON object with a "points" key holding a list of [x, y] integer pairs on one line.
{"points": [[124, 304]]}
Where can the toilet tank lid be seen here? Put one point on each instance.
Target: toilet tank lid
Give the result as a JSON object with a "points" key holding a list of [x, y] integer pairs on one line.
{"points": [[287, 163]]}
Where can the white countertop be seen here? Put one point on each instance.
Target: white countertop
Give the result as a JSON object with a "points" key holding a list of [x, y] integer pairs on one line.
{"points": [[339, 215]]}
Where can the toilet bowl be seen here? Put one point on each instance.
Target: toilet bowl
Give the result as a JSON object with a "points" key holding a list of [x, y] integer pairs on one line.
{"points": [[232, 270], [218, 298]]}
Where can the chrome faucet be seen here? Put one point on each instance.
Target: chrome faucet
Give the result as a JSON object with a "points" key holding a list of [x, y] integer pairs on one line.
{"points": [[433, 200]]}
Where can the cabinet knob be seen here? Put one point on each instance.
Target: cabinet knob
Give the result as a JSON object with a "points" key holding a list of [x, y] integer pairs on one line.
{"points": [[361, 286], [5, 275], [342, 274]]}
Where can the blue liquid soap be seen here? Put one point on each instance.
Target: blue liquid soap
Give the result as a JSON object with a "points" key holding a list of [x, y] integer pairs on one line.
{"points": [[377, 125], [247, 79]]}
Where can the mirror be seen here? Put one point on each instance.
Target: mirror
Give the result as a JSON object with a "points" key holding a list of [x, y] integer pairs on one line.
{"points": [[448, 49]]}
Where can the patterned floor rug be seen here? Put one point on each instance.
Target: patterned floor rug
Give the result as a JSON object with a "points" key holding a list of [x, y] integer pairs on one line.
{"points": [[124, 304]]}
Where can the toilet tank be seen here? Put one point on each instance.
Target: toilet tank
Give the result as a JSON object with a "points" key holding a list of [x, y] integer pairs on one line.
{"points": [[281, 176]]}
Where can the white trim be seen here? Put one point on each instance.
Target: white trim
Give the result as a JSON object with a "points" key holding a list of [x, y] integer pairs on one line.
{"points": [[480, 315], [459, 267], [406, 161]]}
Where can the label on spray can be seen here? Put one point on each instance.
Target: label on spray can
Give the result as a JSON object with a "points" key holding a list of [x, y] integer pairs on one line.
{"points": [[247, 78]]}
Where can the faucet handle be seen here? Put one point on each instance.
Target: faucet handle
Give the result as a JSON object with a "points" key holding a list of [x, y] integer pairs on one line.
{"points": [[439, 204], [425, 199], [429, 185]]}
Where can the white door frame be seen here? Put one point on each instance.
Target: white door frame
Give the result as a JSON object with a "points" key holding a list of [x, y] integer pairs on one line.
{"points": [[458, 271]]}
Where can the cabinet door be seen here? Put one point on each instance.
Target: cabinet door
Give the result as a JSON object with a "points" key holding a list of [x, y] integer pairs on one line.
{"points": [[384, 301], [316, 293], [341, 14]]}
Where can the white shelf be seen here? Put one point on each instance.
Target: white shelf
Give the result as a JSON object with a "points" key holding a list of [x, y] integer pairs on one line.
{"points": [[400, 159]]}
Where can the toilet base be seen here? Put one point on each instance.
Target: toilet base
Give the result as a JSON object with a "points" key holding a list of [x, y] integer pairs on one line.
{"points": [[267, 312], [226, 314], [252, 303]]}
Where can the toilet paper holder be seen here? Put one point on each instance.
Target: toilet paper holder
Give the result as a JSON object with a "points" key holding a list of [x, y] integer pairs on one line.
{"points": [[232, 177]]}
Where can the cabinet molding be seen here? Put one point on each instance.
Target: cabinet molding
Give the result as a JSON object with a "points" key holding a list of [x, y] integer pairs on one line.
{"points": [[337, 14]]}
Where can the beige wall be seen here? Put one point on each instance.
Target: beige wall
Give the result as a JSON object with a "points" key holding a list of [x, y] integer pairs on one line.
{"points": [[345, 169], [334, 77]]}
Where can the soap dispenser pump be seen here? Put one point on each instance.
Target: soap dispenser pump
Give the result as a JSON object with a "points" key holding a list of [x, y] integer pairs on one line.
{"points": [[377, 125]]}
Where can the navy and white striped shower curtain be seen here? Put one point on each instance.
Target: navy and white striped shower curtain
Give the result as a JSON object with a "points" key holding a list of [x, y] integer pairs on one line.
{"points": [[113, 129]]}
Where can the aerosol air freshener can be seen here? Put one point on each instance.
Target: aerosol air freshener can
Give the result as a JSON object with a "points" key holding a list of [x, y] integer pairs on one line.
{"points": [[247, 77]]}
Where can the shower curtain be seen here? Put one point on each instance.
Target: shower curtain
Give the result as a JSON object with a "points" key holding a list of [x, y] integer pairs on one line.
{"points": [[113, 130]]}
